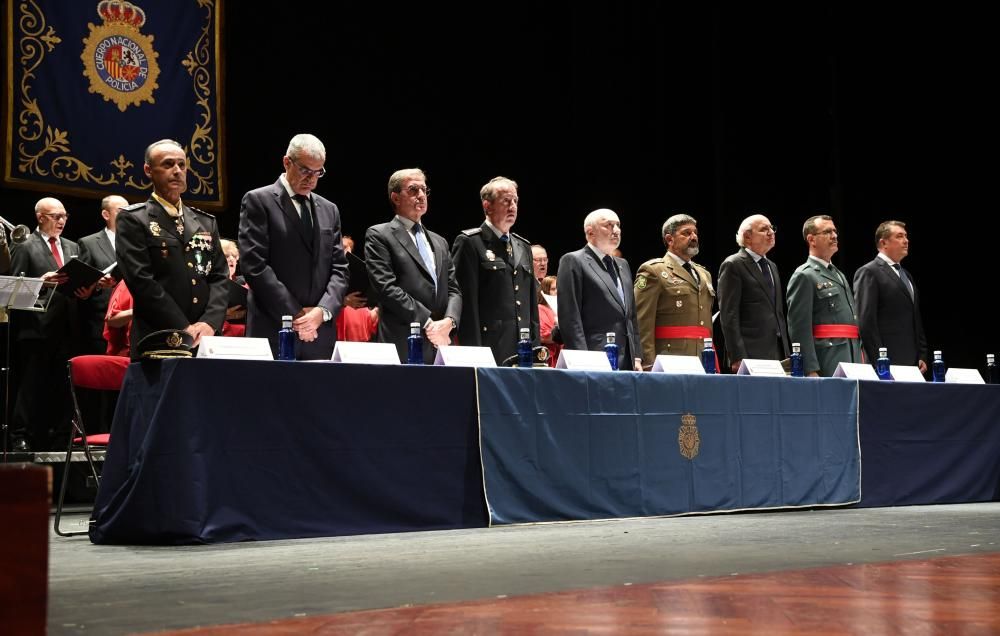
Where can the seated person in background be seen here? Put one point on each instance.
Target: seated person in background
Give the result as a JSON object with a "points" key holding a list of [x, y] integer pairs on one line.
{"points": [[117, 321], [356, 322], [235, 324], [548, 322]]}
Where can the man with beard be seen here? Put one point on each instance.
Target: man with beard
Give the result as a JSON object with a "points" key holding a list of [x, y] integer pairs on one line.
{"points": [[821, 314], [595, 293], [674, 295]]}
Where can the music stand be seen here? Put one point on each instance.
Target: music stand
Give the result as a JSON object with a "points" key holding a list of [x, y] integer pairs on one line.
{"points": [[22, 294]]}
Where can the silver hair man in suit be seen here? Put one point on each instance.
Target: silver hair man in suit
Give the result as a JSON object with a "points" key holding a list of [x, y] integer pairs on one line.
{"points": [[98, 249], [889, 302], [291, 254], [411, 271], [595, 293], [751, 299]]}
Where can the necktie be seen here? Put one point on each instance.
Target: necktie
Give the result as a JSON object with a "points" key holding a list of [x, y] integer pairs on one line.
{"points": [[425, 251], [903, 277], [55, 251], [766, 271], [306, 214], [609, 264], [506, 243], [694, 274]]}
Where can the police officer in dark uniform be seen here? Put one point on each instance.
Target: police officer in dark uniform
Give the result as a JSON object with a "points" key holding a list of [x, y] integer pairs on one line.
{"points": [[170, 256], [494, 270]]}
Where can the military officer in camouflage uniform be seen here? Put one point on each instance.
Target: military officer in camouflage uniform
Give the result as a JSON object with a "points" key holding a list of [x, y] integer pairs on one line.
{"points": [[170, 256], [674, 295], [821, 312]]}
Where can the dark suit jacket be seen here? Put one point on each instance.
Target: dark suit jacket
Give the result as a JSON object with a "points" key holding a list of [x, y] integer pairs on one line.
{"points": [[589, 306], [753, 320], [168, 290], [887, 315], [288, 270], [32, 259], [96, 250], [404, 287], [498, 297]]}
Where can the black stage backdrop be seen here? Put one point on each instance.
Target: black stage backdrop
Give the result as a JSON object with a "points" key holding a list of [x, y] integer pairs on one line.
{"points": [[649, 109]]}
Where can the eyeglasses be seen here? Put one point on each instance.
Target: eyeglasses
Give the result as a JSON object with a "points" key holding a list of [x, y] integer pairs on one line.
{"points": [[541, 260], [827, 231], [414, 190], [307, 172], [56, 217], [769, 229]]}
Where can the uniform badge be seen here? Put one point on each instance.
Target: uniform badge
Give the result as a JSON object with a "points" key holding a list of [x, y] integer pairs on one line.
{"points": [[201, 245], [154, 228], [174, 340], [118, 58], [665, 274], [680, 303], [641, 283], [490, 256], [687, 436]]}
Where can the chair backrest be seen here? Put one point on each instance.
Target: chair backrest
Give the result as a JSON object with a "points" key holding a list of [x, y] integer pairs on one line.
{"points": [[98, 372]]}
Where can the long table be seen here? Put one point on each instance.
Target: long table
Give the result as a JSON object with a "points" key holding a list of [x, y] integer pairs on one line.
{"points": [[208, 451]]}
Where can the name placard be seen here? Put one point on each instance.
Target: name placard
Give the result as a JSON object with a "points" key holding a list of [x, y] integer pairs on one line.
{"points": [[459, 356], [223, 348], [855, 371], [365, 353], [583, 360], [902, 373], [665, 363], [956, 375], [749, 366]]}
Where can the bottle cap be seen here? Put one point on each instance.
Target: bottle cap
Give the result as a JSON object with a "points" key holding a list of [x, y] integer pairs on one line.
{"points": [[989, 357], [284, 318], [883, 352], [708, 342], [525, 333], [610, 337], [937, 354]]}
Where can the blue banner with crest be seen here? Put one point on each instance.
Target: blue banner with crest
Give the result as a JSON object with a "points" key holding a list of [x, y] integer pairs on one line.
{"points": [[91, 83]]}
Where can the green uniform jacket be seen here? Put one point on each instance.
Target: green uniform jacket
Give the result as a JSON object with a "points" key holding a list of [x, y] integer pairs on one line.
{"points": [[667, 296]]}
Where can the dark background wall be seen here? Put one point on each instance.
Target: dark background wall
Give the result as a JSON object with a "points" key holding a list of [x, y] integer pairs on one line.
{"points": [[649, 109]]}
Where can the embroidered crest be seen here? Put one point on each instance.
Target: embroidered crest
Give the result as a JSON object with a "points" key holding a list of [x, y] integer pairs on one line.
{"points": [[490, 256], [117, 58], [641, 283], [174, 340], [687, 436]]}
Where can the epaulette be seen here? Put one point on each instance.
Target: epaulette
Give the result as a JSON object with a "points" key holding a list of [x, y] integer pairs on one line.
{"points": [[520, 237], [134, 206], [212, 216], [653, 261], [473, 231]]}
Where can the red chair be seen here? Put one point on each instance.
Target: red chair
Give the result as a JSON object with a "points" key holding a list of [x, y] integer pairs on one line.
{"points": [[101, 373]]}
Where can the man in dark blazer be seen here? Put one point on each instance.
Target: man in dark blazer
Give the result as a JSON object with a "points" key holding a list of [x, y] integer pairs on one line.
{"points": [[98, 249], [411, 271], [889, 303], [595, 293], [821, 309], [170, 256], [46, 340], [291, 254], [495, 273], [751, 298]]}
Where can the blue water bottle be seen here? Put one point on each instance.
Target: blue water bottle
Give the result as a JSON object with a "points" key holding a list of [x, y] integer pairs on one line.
{"points": [[414, 345], [882, 364], [708, 356], [525, 354], [938, 368], [286, 339], [798, 371], [611, 349], [991, 370]]}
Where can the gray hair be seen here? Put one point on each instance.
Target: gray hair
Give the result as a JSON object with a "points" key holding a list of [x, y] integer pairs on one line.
{"points": [[746, 226], [149, 149], [595, 216], [809, 227], [670, 225], [489, 191], [306, 144], [398, 177]]}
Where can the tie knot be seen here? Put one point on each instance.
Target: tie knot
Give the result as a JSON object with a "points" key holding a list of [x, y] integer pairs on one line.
{"points": [[417, 228], [895, 266], [505, 238], [301, 198], [52, 240], [687, 266]]}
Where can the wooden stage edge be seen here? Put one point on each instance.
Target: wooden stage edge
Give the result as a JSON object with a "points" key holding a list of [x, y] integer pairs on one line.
{"points": [[944, 595]]}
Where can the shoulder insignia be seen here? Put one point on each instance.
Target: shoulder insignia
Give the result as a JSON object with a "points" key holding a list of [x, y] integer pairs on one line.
{"points": [[640, 281], [197, 211], [134, 206], [473, 231], [518, 236]]}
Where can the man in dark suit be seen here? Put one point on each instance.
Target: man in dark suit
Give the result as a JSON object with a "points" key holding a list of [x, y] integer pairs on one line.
{"points": [[595, 293], [889, 303], [45, 341], [98, 249], [411, 271], [821, 313], [292, 257], [751, 299], [494, 271], [170, 256]]}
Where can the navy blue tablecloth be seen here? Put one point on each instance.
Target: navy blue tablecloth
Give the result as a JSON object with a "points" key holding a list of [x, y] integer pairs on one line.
{"points": [[219, 450]]}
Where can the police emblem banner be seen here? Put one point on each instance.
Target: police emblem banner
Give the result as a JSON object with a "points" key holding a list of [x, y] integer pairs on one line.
{"points": [[91, 83]]}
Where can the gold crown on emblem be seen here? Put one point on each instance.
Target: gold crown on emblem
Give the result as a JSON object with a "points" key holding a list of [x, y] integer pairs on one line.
{"points": [[121, 12], [688, 420]]}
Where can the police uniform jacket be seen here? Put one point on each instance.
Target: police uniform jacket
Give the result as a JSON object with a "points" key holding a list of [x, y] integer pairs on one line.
{"points": [[499, 293], [175, 279], [666, 295], [821, 296]]}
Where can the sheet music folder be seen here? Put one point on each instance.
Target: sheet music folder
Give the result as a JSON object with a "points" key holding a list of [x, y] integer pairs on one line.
{"points": [[358, 275], [80, 275], [237, 293]]}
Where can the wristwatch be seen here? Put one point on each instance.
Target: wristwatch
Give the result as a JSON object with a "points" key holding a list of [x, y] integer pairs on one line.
{"points": [[327, 316]]}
